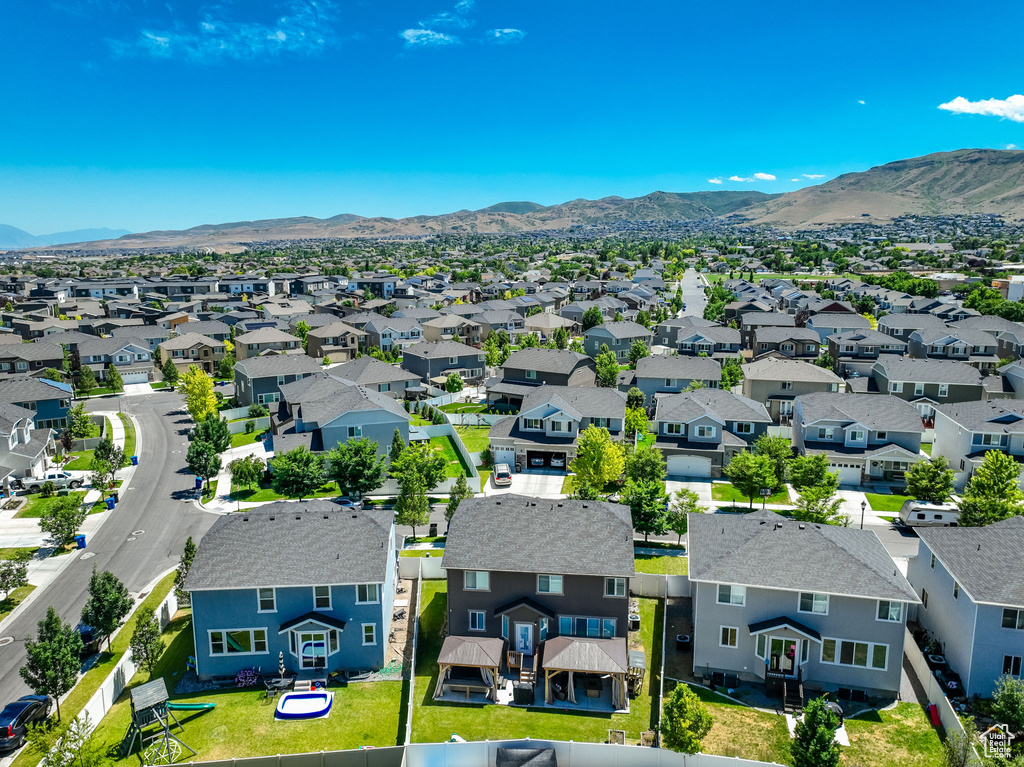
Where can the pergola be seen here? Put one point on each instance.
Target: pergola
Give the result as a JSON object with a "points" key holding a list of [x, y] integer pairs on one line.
{"points": [[586, 655], [483, 653]]}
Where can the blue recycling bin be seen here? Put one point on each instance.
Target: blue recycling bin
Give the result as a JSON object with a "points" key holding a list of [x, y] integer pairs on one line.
{"points": [[135, 460], [199, 483], [80, 541], [111, 503]]}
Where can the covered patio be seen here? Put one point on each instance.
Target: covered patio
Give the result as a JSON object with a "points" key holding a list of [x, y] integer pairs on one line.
{"points": [[596, 658], [483, 654]]}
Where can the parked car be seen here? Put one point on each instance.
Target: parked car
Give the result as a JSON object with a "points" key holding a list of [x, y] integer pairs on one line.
{"points": [[926, 514], [558, 462], [16, 718], [536, 461], [502, 474], [349, 503], [60, 479]]}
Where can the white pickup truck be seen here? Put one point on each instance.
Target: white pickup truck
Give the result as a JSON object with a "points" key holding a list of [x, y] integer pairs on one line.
{"points": [[60, 479]]}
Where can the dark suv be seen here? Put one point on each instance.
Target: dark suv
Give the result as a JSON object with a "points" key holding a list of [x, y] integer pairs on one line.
{"points": [[16, 718]]}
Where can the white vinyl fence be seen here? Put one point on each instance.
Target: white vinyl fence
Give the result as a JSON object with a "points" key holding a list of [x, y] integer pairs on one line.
{"points": [[650, 585]]}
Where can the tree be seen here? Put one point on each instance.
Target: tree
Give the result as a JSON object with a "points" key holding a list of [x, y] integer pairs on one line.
{"points": [[598, 460], [302, 331], [637, 351], [636, 421], [188, 556], [423, 461], [108, 603], [169, 371], [646, 501], [397, 446], [814, 740], [68, 744], [643, 318], [607, 370], [356, 467], [14, 572], [645, 464], [685, 502], [459, 493], [560, 338], [635, 398], [750, 474], [412, 508], [226, 367], [958, 750], [79, 422], [113, 379], [214, 432], [930, 481], [592, 317], [52, 374], [52, 662], [1008, 702], [145, 643], [297, 473], [67, 440], [820, 506], [454, 383], [246, 471], [61, 519], [812, 471], [202, 460], [685, 720], [86, 381], [197, 387], [780, 452], [732, 373], [825, 361], [993, 493]]}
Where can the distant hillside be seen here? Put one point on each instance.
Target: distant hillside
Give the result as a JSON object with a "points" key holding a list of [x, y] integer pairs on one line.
{"points": [[965, 181], [11, 237]]}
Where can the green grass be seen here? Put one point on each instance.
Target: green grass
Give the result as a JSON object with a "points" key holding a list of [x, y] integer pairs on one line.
{"points": [[886, 502], [37, 505], [658, 545], [456, 466], [903, 735], [129, 435], [648, 563], [243, 724], [265, 493], [926, 447], [82, 461], [14, 599], [94, 677], [724, 491], [569, 486], [744, 732], [475, 438], [238, 440], [464, 407], [421, 553], [418, 420], [13, 553], [434, 722]]}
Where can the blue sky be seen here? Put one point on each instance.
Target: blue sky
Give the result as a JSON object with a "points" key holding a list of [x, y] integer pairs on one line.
{"points": [[150, 114]]}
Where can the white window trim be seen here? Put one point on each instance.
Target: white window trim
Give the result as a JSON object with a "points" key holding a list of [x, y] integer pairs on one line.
{"points": [[330, 598], [483, 620], [372, 601], [625, 588], [561, 584], [878, 609], [871, 654], [895, 387], [504, 626], [259, 600], [799, 599], [721, 630], [225, 632], [465, 582], [742, 603], [363, 634]]}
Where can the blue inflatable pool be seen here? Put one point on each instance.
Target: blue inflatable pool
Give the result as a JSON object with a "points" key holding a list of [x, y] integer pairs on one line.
{"points": [[305, 705]]}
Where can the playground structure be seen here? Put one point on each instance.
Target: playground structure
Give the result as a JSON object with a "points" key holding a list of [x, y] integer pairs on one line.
{"points": [[153, 724]]}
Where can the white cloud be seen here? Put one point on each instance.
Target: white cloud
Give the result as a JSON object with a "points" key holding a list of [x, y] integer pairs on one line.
{"points": [[504, 35], [714, 180], [426, 38], [303, 27], [755, 177], [813, 175], [739, 178], [764, 177], [1012, 146], [1011, 108], [861, 102], [794, 179]]}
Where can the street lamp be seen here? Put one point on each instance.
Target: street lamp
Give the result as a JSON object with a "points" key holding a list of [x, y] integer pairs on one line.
{"points": [[863, 509]]}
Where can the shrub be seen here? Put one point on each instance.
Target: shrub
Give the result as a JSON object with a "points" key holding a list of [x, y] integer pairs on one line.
{"points": [[48, 489], [250, 427], [257, 410], [486, 457]]}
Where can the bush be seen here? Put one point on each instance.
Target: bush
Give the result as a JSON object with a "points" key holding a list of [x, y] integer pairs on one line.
{"points": [[257, 410], [48, 489], [250, 427], [486, 457]]}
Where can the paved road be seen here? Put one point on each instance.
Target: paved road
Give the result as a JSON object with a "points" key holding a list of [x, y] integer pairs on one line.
{"points": [[693, 293], [155, 504]]}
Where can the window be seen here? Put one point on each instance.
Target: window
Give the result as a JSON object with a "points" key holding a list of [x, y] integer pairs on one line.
{"points": [[558, 426], [825, 432], [615, 587], [732, 595], [601, 423], [744, 428], [673, 428], [762, 645], [476, 580], [881, 434], [811, 348], [814, 603], [918, 389], [932, 565], [896, 387], [956, 590], [1011, 665], [322, 597], [549, 584], [843, 652], [355, 432], [805, 650], [332, 641], [453, 360], [787, 347], [280, 380], [367, 593], [943, 390], [477, 620], [1013, 619], [384, 387], [890, 611], [369, 633], [543, 629], [608, 628], [532, 423], [238, 642], [924, 599], [504, 626], [267, 600], [857, 435], [728, 637], [706, 431], [531, 374], [787, 385]]}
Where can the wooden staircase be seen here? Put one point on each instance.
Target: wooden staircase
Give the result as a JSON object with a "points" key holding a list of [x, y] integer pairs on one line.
{"points": [[528, 669], [793, 694]]}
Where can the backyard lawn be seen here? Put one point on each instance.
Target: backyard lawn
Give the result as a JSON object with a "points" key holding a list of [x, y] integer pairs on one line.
{"points": [[456, 467], [26, 551], [464, 407], [886, 502], [724, 491], [744, 732], [435, 722], [237, 440], [926, 447], [664, 565], [475, 438], [903, 735], [37, 505]]}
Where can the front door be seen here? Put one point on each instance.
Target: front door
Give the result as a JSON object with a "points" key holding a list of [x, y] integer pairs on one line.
{"points": [[524, 638], [783, 655], [313, 649]]}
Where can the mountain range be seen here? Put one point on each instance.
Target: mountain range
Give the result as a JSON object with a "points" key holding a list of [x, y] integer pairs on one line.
{"points": [[12, 238], [961, 182]]}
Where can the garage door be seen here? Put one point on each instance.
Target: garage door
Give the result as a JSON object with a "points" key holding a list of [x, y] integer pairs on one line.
{"points": [[848, 475], [689, 466], [505, 455], [135, 378]]}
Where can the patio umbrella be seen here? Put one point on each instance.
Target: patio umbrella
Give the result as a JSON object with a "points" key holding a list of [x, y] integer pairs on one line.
{"points": [[280, 664]]}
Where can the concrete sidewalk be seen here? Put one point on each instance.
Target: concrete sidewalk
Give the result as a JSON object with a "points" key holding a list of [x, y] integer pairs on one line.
{"points": [[221, 503]]}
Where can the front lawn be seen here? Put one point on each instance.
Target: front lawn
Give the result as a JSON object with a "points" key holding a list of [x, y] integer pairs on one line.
{"points": [[742, 731], [37, 505], [886, 502], [649, 563], [243, 723], [238, 440], [456, 466], [724, 491], [434, 722], [264, 493], [14, 599], [903, 735], [82, 461], [475, 438], [27, 551]]}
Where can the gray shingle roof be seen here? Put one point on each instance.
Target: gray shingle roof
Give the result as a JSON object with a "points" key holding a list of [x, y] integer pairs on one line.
{"points": [[866, 336], [766, 550], [966, 335], [904, 321], [206, 328], [765, 319], [370, 370], [560, 361], [278, 365], [662, 366], [1000, 416], [778, 335], [785, 369], [985, 561], [623, 329], [930, 371], [882, 412], [838, 320], [264, 336], [319, 399], [561, 537], [11, 415], [440, 349], [717, 403], [270, 546], [188, 340], [578, 402]]}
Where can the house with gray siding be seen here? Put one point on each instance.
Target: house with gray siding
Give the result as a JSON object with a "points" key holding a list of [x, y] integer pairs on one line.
{"points": [[858, 350], [266, 339], [974, 347], [434, 362], [372, 374], [831, 323], [798, 343], [259, 380], [796, 606], [618, 336], [969, 583], [901, 326], [966, 431], [659, 374], [25, 451], [325, 613], [928, 383], [776, 382], [666, 332], [750, 322], [526, 369], [389, 333]]}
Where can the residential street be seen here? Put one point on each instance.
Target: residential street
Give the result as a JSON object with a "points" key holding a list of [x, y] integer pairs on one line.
{"points": [[693, 294], [142, 538]]}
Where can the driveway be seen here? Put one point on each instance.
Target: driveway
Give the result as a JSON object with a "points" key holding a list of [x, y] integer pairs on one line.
{"points": [[528, 483], [702, 487]]}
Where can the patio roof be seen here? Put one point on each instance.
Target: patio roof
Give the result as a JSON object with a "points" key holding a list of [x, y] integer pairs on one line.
{"points": [[586, 654], [783, 622], [313, 617], [480, 652]]}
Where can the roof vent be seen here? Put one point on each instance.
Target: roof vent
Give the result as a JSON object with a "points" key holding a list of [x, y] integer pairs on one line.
{"points": [[803, 527], [271, 518], [245, 519], [778, 525], [354, 516]]}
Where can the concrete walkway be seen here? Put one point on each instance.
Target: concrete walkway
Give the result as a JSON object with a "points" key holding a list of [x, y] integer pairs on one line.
{"points": [[222, 503]]}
